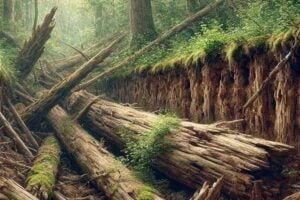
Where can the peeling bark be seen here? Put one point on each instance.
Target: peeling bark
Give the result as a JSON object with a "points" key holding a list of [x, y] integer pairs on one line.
{"points": [[201, 152], [109, 175]]}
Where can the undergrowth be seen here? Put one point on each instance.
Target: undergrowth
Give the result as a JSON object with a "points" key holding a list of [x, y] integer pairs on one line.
{"points": [[142, 153]]}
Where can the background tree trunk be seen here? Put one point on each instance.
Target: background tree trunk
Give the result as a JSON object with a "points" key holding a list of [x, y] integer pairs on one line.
{"points": [[142, 24], [192, 6]]}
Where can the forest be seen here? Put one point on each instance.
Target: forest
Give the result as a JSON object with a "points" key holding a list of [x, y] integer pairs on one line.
{"points": [[150, 99]]}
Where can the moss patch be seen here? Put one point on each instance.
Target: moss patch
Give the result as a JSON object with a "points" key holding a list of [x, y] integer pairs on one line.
{"points": [[43, 172]]}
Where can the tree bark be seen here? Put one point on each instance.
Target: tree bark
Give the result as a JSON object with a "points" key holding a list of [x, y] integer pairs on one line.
{"points": [[12, 133], [13, 190], [42, 176], [201, 152], [142, 24], [42, 106], [34, 47], [209, 193], [148, 47], [36, 14], [295, 196], [109, 175], [22, 124]]}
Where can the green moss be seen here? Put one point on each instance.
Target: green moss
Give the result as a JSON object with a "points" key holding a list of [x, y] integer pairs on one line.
{"points": [[234, 53], [44, 168], [146, 193], [258, 44]]}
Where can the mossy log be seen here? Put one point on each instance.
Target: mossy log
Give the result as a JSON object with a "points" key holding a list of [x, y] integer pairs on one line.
{"points": [[42, 176], [200, 152], [43, 105], [109, 175], [34, 47], [14, 191]]}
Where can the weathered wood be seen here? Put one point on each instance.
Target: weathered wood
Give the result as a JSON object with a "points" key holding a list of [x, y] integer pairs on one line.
{"points": [[12, 133], [41, 107], [176, 29], [109, 175], [209, 193], [201, 152], [21, 123], [41, 178], [295, 196], [13, 190], [34, 47]]}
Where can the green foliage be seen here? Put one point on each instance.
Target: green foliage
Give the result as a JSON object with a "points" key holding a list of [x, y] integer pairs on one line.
{"points": [[146, 193], [7, 70], [142, 153]]}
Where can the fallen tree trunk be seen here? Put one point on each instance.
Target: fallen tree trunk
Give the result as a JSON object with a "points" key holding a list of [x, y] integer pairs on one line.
{"points": [[34, 47], [12, 133], [43, 105], [13, 190], [295, 196], [176, 29], [41, 178], [200, 152], [109, 175], [209, 193], [73, 60]]}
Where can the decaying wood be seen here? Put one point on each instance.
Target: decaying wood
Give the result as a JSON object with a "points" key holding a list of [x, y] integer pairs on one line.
{"points": [[295, 196], [42, 176], [58, 196], [34, 47], [22, 124], [200, 153], [209, 193], [72, 61], [176, 29], [24, 97], [272, 74], [13, 190], [12, 133], [41, 107], [109, 175], [81, 112]]}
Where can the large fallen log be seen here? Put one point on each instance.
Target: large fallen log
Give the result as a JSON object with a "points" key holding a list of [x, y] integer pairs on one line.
{"points": [[168, 34], [109, 175], [41, 178], [209, 193], [43, 105], [200, 153], [295, 196], [13, 190], [34, 47]]}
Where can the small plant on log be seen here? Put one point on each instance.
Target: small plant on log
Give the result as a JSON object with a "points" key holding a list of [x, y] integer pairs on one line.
{"points": [[142, 153], [7, 71]]}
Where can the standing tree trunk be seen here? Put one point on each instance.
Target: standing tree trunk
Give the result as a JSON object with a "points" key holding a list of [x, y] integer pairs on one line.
{"points": [[99, 20], [8, 11], [142, 24], [36, 14]]}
